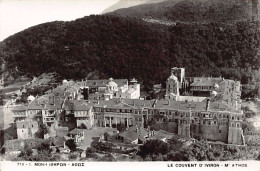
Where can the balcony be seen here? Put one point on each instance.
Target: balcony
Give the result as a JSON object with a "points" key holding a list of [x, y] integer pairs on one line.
{"points": [[50, 113], [20, 115], [81, 115]]}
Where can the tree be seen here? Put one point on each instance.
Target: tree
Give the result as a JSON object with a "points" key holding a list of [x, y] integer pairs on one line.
{"points": [[44, 147], [106, 136], [71, 144], [153, 147], [175, 143], [121, 127], [181, 155], [45, 129]]}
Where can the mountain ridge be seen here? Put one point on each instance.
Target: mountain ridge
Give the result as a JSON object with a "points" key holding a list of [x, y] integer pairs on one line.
{"points": [[196, 11], [128, 3]]}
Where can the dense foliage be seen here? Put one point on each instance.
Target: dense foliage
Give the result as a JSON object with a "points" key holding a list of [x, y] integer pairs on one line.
{"points": [[157, 150], [42, 153], [125, 47], [193, 11]]}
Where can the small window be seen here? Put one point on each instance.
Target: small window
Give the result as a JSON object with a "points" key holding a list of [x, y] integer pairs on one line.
{"points": [[219, 131]]}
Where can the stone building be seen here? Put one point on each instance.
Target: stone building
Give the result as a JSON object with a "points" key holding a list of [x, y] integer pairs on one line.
{"points": [[211, 120], [214, 113], [82, 112], [111, 88], [27, 129]]}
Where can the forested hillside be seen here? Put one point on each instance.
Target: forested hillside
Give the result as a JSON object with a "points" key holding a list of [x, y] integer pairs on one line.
{"points": [[125, 47], [195, 10]]}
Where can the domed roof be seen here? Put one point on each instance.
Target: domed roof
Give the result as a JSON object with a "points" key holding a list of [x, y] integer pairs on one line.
{"points": [[112, 84], [173, 77], [64, 81], [30, 98], [214, 93]]}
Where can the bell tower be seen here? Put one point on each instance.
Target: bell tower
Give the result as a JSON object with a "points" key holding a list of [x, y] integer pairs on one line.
{"points": [[172, 88]]}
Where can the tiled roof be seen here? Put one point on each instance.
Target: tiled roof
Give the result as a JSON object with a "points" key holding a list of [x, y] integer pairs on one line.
{"points": [[160, 104], [76, 131], [191, 98], [132, 133], [124, 103], [205, 81], [103, 83], [79, 105], [59, 141], [46, 102], [20, 108]]}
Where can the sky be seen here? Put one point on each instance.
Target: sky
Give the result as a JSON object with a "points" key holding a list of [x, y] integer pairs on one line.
{"points": [[17, 15]]}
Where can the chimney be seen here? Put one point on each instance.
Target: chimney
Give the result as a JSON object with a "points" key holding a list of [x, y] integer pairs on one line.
{"points": [[207, 104]]}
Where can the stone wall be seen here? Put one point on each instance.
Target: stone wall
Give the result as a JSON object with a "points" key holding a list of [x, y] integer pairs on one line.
{"points": [[214, 132], [22, 133], [169, 126], [235, 136]]}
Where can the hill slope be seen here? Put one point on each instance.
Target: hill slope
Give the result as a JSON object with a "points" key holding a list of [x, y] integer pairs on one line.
{"points": [[128, 3], [124, 47], [196, 10]]}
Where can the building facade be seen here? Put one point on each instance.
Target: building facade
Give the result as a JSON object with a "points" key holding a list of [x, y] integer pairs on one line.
{"points": [[216, 116]]}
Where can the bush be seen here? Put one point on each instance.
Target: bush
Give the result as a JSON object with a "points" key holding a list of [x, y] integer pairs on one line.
{"points": [[153, 147], [71, 144], [73, 155]]}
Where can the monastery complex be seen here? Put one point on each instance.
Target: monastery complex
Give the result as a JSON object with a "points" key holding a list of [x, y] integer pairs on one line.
{"points": [[193, 107]]}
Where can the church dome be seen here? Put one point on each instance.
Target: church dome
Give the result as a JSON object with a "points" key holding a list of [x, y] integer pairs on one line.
{"points": [[214, 93], [64, 81], [30, 98], [112, 84]]}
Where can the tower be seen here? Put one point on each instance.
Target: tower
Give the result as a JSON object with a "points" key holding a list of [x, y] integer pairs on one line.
{"points": [[172, 88], [179, 73]]}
